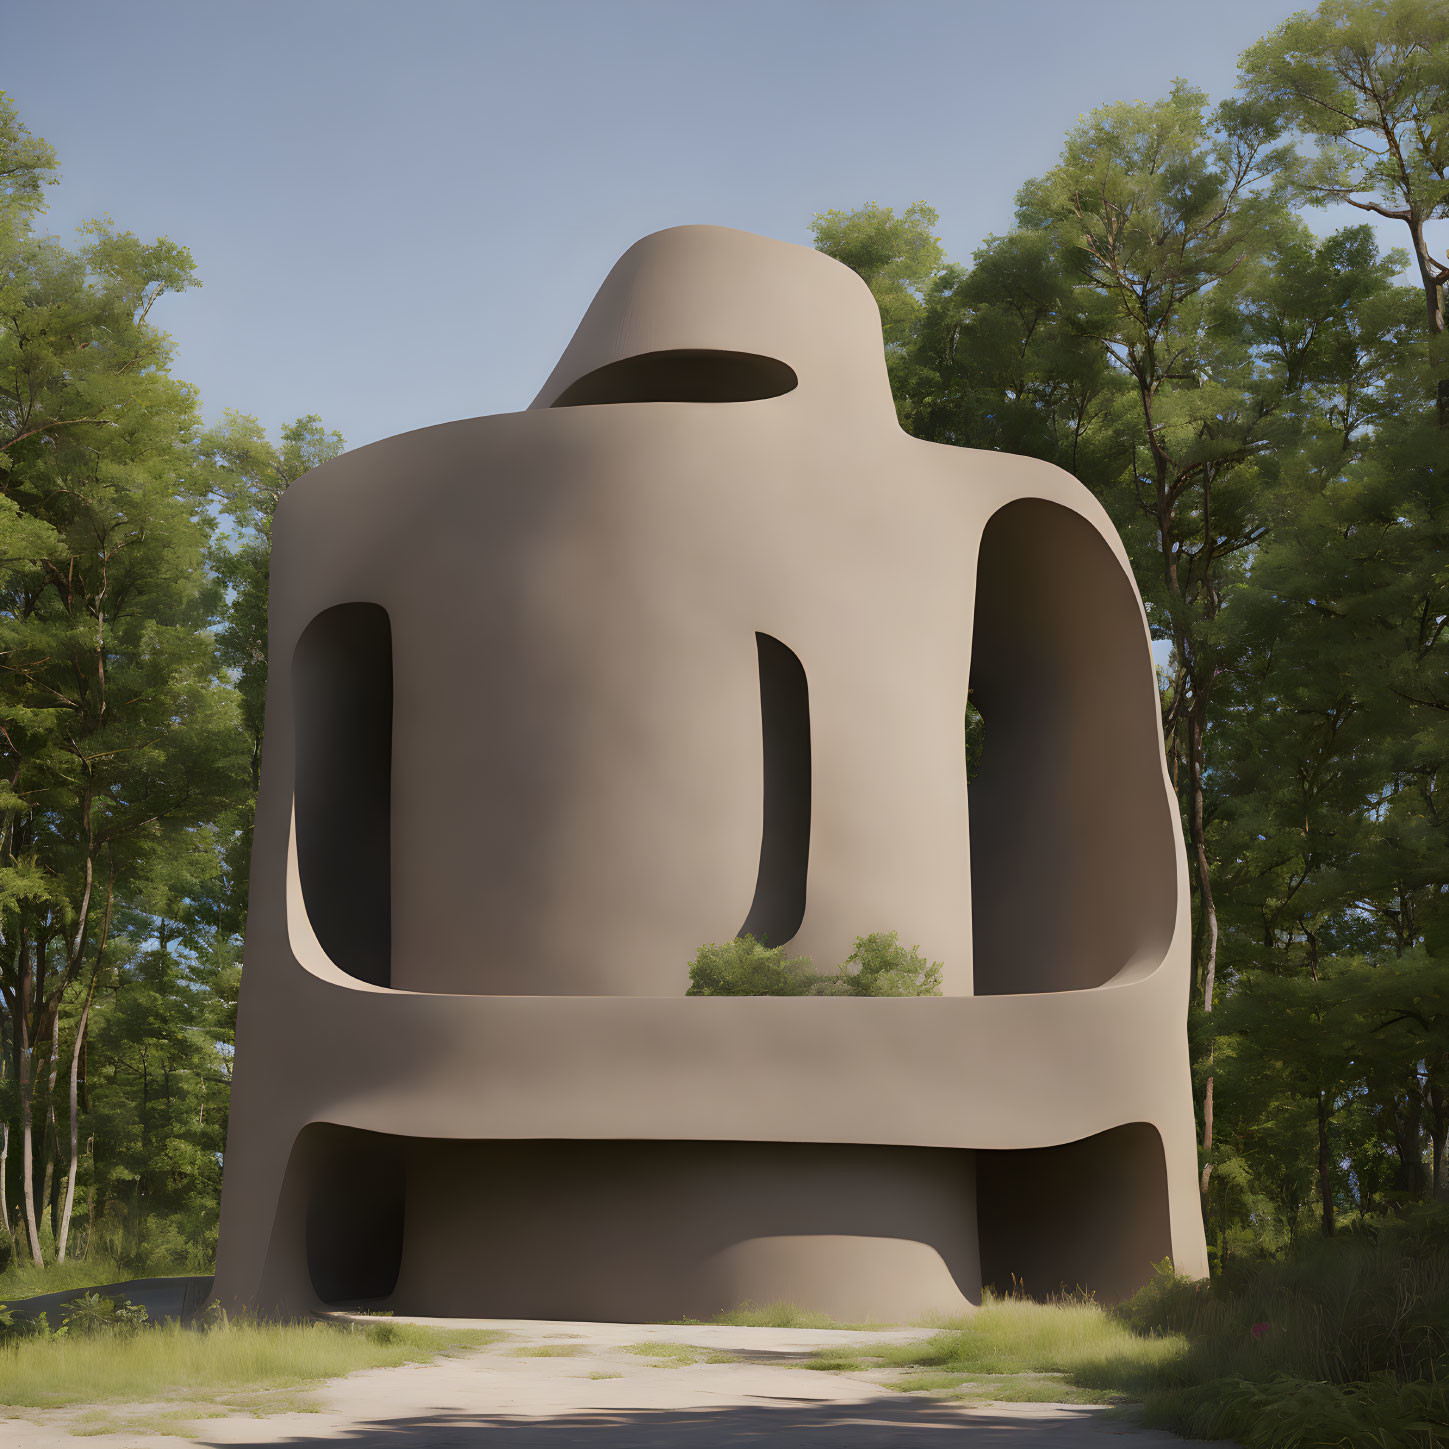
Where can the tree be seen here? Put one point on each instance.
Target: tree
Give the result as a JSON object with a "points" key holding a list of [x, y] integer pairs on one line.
{"points": [[1367, 83], [897, 257], [119, 744]]}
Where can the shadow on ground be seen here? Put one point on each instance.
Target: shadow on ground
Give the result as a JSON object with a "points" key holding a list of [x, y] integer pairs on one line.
{"points": [[896, 1422]]}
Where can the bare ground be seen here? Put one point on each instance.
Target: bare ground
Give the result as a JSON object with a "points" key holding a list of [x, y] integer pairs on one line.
{"points": [[587, 1389]]}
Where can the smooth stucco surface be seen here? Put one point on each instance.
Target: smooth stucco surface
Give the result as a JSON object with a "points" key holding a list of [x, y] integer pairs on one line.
{"points": [[555, 697]]}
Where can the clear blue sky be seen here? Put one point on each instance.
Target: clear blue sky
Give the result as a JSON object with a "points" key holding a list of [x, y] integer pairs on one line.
{"points": [[400, 210]]}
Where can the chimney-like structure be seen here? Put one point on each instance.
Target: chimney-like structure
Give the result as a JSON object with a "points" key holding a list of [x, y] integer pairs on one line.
{"points": [[683, 651]]}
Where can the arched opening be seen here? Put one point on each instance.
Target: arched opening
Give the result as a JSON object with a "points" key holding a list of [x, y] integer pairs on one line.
{"points": [[356, 1196], [778, 907], [639, 1231], [1091, 1214], [342, 718], [684, 374], [1073, 866]]}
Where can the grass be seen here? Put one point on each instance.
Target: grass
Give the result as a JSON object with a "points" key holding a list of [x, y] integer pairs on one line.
{"points": [[777, 1315], [669, 1355], [22, 1279], [216, 1370], [549, 1350], [679, 1355], [1012, 1350], [1343, 1344]]}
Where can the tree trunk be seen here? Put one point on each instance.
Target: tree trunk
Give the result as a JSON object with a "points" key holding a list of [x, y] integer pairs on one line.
{"points": [[75, 1060], [4, 1183], [1429, 276], [1434, 303], [51, 1136], [77, 1053], [27, 1150], [1325, 1167], [27, 1143]]}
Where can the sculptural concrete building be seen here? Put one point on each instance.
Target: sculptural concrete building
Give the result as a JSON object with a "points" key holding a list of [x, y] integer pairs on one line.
{"points": [[681, 651]]}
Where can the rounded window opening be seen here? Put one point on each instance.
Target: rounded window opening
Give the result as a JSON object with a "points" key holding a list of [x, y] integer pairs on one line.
{"points": [[1073, 856], [342, 719], [778, 906], [684, 374]]}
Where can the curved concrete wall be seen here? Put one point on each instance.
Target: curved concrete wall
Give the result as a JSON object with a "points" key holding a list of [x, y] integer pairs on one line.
{"points": [[557, 696]]}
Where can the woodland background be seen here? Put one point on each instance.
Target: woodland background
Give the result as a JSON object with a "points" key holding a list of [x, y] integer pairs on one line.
{"points": [[1264, 413]]}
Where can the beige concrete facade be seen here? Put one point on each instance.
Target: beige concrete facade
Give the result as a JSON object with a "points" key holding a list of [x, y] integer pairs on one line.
{"points": [[682, 650]]}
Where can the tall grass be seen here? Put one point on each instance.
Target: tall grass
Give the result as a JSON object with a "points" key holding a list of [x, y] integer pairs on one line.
{"points": [[22, 1279], [169, 1362], [1078, 1342], [1343, 1344]]}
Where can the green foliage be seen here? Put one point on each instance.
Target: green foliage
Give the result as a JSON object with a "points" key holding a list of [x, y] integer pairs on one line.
{"points": [[1342, 1342], [883, 967], [747, 967], [133, 553], [878, 966], [90, 1314], [1366, 83], [1081, 1342], [899, 259], [1247, 401]]}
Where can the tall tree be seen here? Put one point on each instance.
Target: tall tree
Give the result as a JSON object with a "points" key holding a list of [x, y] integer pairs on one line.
{"points": [[118, 741], [1366, 82]]}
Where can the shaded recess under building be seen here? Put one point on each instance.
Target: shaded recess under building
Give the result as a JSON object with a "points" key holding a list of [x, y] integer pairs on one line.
{"points": [[684, 650]]}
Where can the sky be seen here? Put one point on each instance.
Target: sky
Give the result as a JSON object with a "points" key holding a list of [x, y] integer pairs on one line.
{"points": [[399, 211]]}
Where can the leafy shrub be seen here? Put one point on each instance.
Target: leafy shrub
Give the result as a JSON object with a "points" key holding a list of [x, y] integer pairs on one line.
{"points": [[747, 967], [1344, 1341], [91, 1314], [878, 966], [883, 967], [1289, 1413]]}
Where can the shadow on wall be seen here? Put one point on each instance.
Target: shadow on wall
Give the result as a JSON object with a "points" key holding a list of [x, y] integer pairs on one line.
{"points": [[684, 374], [1090, 1214], [644, 1230], [778, 907], [342, 693]]}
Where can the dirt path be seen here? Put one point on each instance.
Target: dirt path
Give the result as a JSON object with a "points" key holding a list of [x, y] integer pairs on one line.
{"points": [[589, 1391]]}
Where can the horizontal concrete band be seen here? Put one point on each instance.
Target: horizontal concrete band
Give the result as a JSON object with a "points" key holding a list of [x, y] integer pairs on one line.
{"points": [[965, 1072]]}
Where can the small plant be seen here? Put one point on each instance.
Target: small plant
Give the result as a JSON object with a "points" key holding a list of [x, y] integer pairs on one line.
{"points": [[747, 967], [667, 1355], [883, 967], [92, 1314], [878, 966]]}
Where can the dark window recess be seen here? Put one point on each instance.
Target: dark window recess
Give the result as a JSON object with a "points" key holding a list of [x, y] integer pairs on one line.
{"points": [[681, 375], [779, 904], [342, 712], [356, 1192], [1073, 858], [1089, 1214]]}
